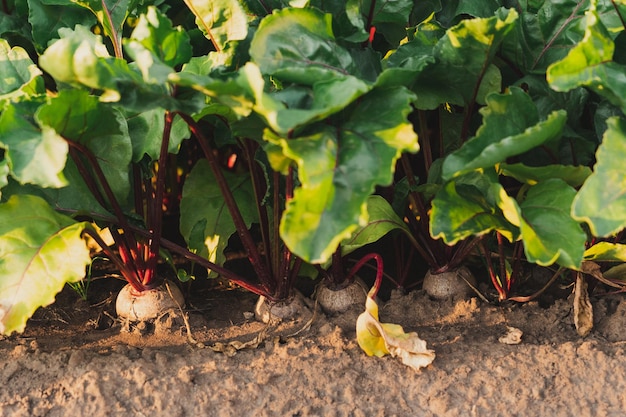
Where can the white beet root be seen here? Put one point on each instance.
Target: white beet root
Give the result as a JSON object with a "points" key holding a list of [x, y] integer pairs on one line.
{"points": [[267, 311], [148, 305], [449, 284], [340, 300]]}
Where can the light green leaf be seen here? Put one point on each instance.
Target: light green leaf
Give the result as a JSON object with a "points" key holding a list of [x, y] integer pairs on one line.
{"points": [[322, 100], [111, 14], [77, 116], [330, 203], [221, 21], [4, 174], [601, 201], [510, 127], [18, 74], [575, 176], [590, 63], [81, 59], [463, 71], [40, 251], [381, 220], [205, 222], [35, 153], [235, 92], [157, 47], [606, 252], [549, 232], [471, 205], [298, 45]]}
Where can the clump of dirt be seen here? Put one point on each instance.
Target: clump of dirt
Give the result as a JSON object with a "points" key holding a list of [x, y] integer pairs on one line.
{"points": [[75, 358]]}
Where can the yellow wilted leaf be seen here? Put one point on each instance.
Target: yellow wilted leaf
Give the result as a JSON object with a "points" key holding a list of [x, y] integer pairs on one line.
{"points": [[380, 339]]}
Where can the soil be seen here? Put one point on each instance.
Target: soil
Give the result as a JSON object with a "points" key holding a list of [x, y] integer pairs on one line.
{"points": [[75, 359]]}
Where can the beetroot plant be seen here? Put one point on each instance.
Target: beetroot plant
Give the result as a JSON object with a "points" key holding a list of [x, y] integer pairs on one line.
{"points": [[300, 114]]}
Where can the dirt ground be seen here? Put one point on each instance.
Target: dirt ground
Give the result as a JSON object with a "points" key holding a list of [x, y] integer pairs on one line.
{"points": [[75, 360]]}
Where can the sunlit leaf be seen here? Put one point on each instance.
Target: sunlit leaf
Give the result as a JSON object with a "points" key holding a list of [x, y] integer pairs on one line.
{"points": [[463, 70], [4, 174], [40, 251], [77, 116], [157, 47], [330, 203], [381, 220], [81, 59], [510, 127], [221, 21], [298, 45], [20, 76], [471, 205], [34, 153], [601, 201], [548, 30], [323, 99], [590, 63], [110, 14], [606, 251], [575, 176]]}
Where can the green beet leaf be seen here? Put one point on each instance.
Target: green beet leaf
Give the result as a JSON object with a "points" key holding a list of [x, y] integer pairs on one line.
{"points": [[601, 201], [20, 76], [463, 71], [388, 17], [234, 93], [157, 47], [338, 168], [403, 65], [81, 59], [46, 18], [381, 220], [298, 45], [40, 250], [79, 117], [471, 205], [205, 222], [4, 174], [548, 30], [575, 176], [606, 252], [221, 21], [111, 14], [146, 133], [323, 99], [34, 153], [549, 232], [510, 127], [590, 63]]}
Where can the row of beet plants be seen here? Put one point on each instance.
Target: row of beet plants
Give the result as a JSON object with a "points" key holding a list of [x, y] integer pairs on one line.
{"points": [[294, 126]]}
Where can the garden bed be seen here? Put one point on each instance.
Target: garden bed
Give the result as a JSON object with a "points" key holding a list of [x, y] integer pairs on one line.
{"points": [[73, 359]]}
